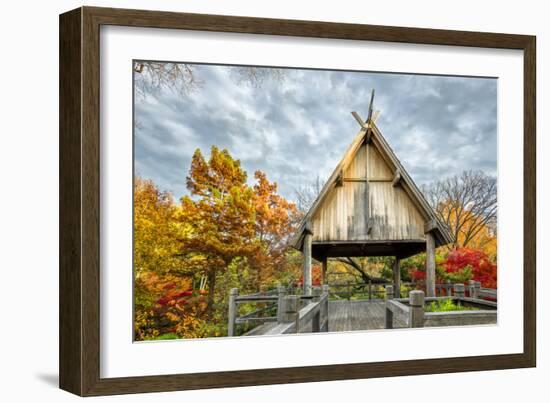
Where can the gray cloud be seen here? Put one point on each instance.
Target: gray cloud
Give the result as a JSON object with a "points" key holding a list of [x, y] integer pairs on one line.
{"points": [[299, 128]]}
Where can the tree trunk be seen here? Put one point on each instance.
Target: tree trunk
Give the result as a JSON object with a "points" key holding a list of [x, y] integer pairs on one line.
{"points": [[354, 265], [211, 289]]}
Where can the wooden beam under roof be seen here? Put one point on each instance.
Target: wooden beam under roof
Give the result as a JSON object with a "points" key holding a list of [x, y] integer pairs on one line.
{"points": [[396, 178], [362, 179]]}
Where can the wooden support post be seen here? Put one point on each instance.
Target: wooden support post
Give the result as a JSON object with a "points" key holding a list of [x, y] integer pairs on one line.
{"points": [[349, 291], [316, 322], [448, 288], [324, 268], [389, 313], [390, 292], [370, 289], [416, 303], [397, 277], [473, 289], [307, 263], [459, 290], [325, 316], [291, 308], [477, 287], [316, 291], [232, 314], [470, 288], [430, 265], [281, 292]]}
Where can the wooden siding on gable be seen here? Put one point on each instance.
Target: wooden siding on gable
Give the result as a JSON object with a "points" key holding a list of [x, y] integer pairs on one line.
{"points": [[394, 216], [378, 169], [358, 166], [341, 216]]}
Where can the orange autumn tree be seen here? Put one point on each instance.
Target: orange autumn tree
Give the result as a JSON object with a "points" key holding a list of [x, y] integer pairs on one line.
{"points": [[220, 213], [275, 220], [232, 220]]}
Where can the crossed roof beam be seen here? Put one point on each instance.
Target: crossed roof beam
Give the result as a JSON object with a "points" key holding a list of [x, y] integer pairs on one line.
{"points": [[365, 124]]}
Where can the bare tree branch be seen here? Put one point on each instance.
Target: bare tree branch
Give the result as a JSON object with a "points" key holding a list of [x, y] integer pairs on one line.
{"points": [[359, 265], [466, 203], [182, 78], [151, 77], [307, 193], [257, 76]]}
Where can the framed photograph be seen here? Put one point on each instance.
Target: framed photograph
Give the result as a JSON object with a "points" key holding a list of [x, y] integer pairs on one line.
{"points": [[249, 201]]}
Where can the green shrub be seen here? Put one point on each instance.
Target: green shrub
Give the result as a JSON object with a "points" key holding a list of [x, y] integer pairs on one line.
{"points": [[459, 276], [445, 305]]}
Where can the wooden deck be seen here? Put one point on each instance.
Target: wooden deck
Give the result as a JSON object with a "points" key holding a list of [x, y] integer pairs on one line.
{"points": [[344, 316], [357, 315], [364, 315]]}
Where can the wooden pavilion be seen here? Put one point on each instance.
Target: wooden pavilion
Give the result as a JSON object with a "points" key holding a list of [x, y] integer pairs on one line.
{"points": [[370, 206]]}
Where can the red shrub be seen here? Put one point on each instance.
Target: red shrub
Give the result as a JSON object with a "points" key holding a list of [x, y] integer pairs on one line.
{"points": [[316, 276], [175, 298], [483, 269]]}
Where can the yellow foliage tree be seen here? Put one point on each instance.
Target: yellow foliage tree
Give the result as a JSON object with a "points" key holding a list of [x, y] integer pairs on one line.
{"points": [[469, 229]]}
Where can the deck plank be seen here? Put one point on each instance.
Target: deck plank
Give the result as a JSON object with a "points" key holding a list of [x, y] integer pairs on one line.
{"points": [[358, 315]]}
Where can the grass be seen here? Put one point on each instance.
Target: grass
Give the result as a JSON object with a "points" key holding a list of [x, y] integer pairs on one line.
{"points": [[446, 305]]}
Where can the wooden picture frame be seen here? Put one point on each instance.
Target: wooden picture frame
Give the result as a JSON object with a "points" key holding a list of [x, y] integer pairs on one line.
{"points": [[80, 200]]}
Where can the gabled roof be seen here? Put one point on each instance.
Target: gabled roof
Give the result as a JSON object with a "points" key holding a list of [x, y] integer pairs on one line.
{"points": [[370, 132]]}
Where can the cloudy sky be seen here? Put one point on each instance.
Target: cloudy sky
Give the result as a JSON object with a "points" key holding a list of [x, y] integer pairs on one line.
{"points": [[298, 126]]}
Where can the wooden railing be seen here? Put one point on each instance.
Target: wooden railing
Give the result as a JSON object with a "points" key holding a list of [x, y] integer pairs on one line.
{"points": [[293, 313], [367, 290], [411, 311], [472, 290], [487, 293]]}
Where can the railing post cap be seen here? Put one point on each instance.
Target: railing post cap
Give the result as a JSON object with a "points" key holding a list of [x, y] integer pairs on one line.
{"points": [[389, 292], [416, 298], [234, 291]]}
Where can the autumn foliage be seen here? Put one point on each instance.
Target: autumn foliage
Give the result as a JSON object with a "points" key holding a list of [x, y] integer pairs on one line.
{"points": [[482, 269], [457, 266], [225, 233]]}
